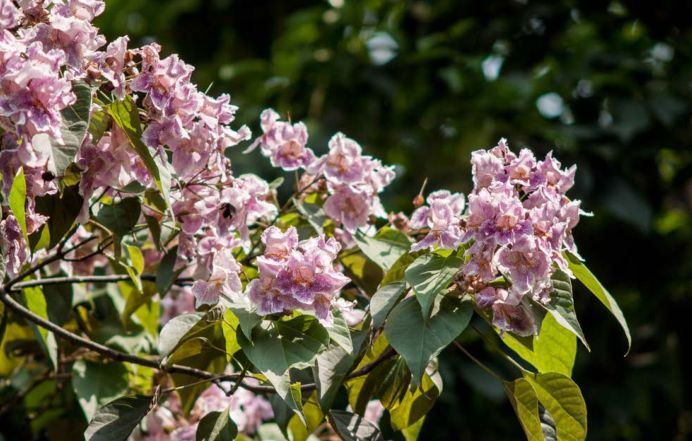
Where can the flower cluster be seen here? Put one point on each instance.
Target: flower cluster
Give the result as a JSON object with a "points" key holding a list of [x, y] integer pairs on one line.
{"points": [[167, 422], [296, 275], [519, 223], [353, 180], [442, 220]]}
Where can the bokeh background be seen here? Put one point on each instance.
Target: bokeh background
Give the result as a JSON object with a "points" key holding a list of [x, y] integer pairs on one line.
{"points": [[607, 85]]}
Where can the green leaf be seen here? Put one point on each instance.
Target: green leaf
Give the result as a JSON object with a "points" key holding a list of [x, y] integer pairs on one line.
{"points": [[216, 426], [35, 301], [417, 338], [331, 368], [398, 270], [62, 211], [116, 420], [126, 115], [97, 383], [563, 399], [384, 300], [416, 402], [277, 347], [166, 274], [352, 427], [17, 201], [339, 332], [525, 403], [411, 433], [385, 248], [313, 418], [553, 350], [561, 305], [430, 275], [361, 270], [174, 330], [121, 217], [313, 213], [586, 277], [73, 128]]}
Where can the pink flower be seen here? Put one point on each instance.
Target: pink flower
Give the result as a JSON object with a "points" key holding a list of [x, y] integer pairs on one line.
{"points": [[349, 207], [344, 163], [442, 216], [222, 281], [13, 245], [527, 264], [302, 278], [284, 143], [9, 15]]}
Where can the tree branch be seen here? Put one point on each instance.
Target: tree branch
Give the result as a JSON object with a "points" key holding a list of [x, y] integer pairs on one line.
{"points": [[156, 363], [111, 278]]}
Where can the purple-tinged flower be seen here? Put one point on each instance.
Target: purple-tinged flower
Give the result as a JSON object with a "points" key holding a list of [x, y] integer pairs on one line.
{"points": [[343, 164], [442, 216], [486, 168], [223, 281], [284, 143], [349, 207], [12, 245], [549, 175], [304, 278], [515, 318], [527, 263], [9, 15], [521, 169], [113, 64]]}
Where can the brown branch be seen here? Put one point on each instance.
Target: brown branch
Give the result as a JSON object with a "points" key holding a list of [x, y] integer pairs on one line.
{"points": [[111, 278]]}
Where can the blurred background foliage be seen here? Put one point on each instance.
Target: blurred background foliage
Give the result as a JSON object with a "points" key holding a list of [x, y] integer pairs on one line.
{"points": [[607, 85]]}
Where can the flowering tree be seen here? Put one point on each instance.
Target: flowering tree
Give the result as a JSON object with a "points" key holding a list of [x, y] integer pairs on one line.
{"points": [[178, 299]]}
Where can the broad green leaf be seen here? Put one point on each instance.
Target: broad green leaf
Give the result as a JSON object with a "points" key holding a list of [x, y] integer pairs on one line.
{"points": [[125, 115], [384, 300], [563, 399], [35, 301], [361, 270], [247, 320], [17, 201], [398, 270], [173, 331], [313, 418], [363, 388], [339, 332], [353, 427], [417, 338], [216, 426], [411, 433], [313, 213], [230, 325], [97, 383], [416, 402], [136, 258], [166, 274], [62, 211], [553, 350], [116, 420], [281, 345], [525, 403], [430, 275], [73, 128], [120, 217], [561, 305], [586, 277], [385, 247], [99, 123], [332, 366]]}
